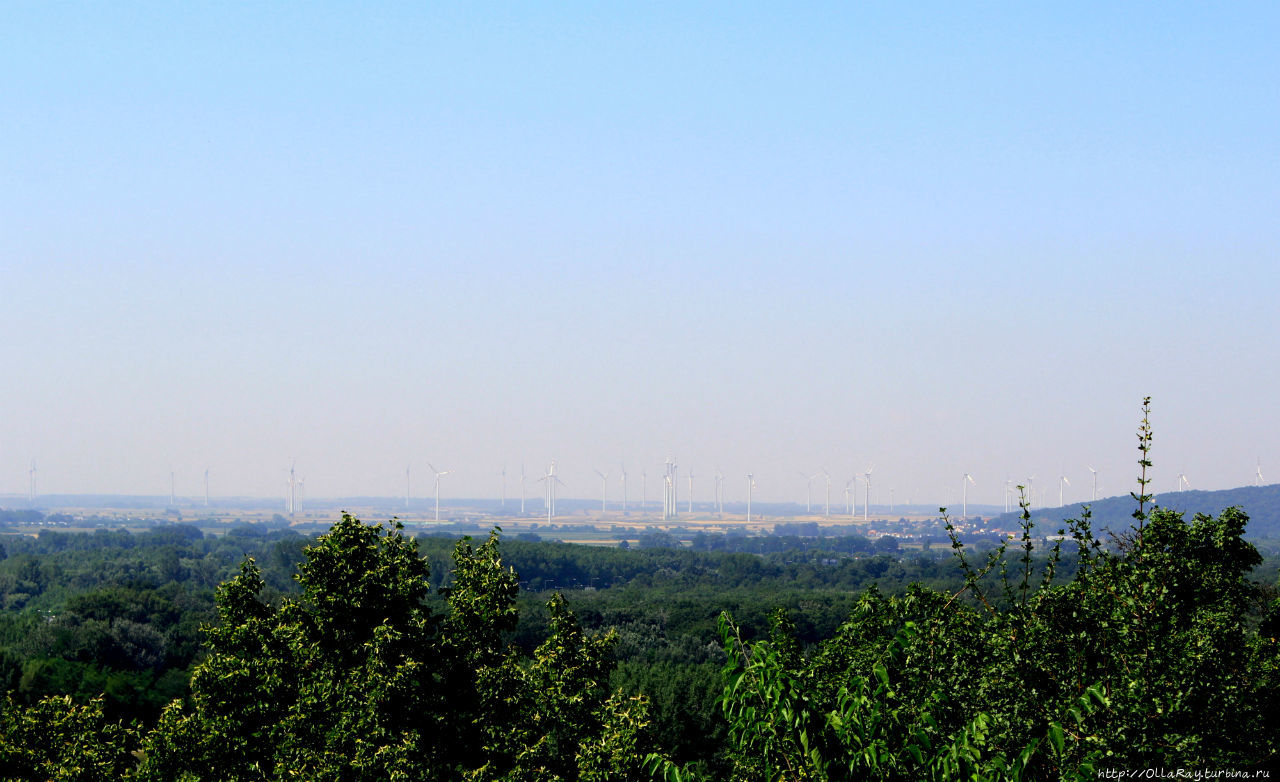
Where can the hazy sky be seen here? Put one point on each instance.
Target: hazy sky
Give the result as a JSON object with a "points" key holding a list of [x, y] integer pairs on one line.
{"points": [[935, 238]]}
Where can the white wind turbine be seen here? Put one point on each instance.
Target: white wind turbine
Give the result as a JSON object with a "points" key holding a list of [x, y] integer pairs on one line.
{"points": [[808, 490], [1095, 484], [1062, 479], [438, 475], [964, 494], [291, 500], [604, 490], [1257, 478], [302, 484], [828, 477], [521, 488], [719, 492], [551, 480], [866, 498], [624, 489], [751, 484], [691, 491], [1183, 483], [848, 507]]}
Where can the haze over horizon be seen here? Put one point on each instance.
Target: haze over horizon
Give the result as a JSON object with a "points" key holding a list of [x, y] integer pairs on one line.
{"points": [[931, 239]]}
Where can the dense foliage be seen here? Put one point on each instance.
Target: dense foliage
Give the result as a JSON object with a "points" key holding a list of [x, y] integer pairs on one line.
{"points": [[1147, 658]]}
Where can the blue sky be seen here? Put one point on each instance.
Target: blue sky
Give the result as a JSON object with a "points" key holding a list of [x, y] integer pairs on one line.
{"points": [[938, 239]]}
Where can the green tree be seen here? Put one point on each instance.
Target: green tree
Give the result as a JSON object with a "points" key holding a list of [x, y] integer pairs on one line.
{"points": [[358, 679]]}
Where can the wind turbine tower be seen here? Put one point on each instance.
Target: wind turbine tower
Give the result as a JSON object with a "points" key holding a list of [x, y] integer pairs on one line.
{"points": [[691, 491], [827, 475], [719, 492], [1183, 483], [604, 490], [808, 492], [31, 483], [866, 498], [551, 479], [438, 475], [624, 490], [751, 484], [1257, 478], [1095, 484], [669, 510], [964, 501], [1062, 480]]}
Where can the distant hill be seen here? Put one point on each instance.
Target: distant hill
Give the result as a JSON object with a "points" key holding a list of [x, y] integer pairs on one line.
{"points": [[1262, 503]]}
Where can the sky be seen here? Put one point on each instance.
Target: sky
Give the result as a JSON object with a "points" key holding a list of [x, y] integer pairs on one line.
{"points": [[927, 238]]}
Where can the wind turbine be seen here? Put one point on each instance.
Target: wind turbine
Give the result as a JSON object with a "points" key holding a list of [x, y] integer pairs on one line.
{"points": [[624, 490], [291, 501], [1062, 479], [1257, 479], [848, 508], [1183, 482], [828, 477], [31, 482], [439, 475], [964, 502], [604, 490], [751, 484], [552, 479], [808, 491], [521, 488], [866, 498], [719, 492], [1006, 494], [669, 509], [1031, 491], [690, 491], [1095, 484]]}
